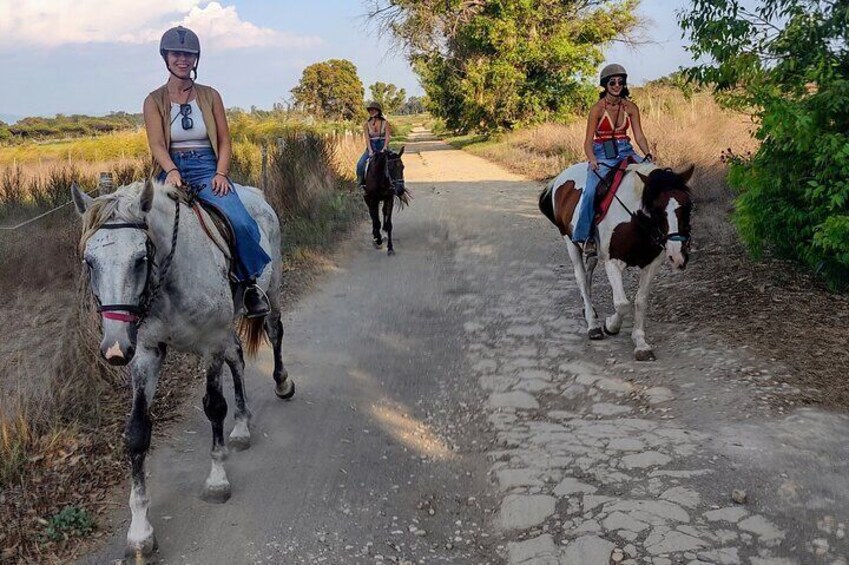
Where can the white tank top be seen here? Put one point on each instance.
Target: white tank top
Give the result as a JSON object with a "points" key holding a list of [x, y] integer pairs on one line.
{"points": [[194, 138]]}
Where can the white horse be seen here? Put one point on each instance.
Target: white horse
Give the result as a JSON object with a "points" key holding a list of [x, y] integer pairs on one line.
{"points": [[160, 283], [650, 216]]}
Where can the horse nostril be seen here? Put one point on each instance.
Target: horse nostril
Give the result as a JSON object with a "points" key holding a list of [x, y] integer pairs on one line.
{"points": [[131, 350]]}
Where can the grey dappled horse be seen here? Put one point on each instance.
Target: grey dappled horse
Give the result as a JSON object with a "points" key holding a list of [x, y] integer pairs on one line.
{"points": [[160, 283]]}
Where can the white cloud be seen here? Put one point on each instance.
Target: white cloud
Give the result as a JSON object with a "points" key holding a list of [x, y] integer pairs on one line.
{"points": [[52, 23]]}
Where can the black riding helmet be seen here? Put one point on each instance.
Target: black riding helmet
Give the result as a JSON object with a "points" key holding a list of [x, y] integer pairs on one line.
{"points": [[183, 40]]}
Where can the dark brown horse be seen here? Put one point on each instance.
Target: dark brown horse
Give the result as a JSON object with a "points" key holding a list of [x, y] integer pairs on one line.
{"points": [[384, 183]]}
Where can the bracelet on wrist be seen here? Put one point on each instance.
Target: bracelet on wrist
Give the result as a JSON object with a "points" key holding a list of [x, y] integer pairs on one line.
{"points": [[220, 174], [169, 171]]}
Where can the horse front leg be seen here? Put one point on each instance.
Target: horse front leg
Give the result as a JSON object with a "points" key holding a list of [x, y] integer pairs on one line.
{"points": [[642, 350], [217, 487], [613, 323], [144, 372], [374, 213], [388, 206], [240, 437], [583, 278], [284, 386]]}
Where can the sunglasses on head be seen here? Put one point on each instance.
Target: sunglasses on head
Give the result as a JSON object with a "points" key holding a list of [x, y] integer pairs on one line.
{"points": [[187, 122], [616, 82]]}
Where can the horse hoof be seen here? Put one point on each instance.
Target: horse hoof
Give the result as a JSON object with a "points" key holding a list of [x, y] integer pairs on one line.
{"points": [[377, 243], [137, 551], [390, 252], [286, 389], [217, 494], [644, 355], [595, 334], [240, 443], [608, 331]]}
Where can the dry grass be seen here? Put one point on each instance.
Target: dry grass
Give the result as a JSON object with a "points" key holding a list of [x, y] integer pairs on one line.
{"points": [[104, 148]]}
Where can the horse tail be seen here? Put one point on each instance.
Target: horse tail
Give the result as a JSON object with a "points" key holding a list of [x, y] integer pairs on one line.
{"points": [[546, 204], [251, 332]]}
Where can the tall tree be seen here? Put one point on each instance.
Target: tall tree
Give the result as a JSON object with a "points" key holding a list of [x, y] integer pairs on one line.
{"points": [[787, 63], [388, 95], [330, 90], [494, 64]]}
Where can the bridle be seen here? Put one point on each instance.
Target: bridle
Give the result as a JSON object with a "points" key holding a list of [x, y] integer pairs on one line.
{"points": [[396, 184], [655, 233], [137, 313]]}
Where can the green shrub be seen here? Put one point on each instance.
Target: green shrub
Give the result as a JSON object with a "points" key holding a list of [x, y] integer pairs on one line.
{"points": [[70, 522], [787, 63]]}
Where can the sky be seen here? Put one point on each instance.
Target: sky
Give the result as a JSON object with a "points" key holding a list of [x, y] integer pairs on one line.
{"points": [[96, 56]]}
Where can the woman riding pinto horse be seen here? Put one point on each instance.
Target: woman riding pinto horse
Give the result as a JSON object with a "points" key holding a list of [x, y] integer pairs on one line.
{"points": [[649, 217]]}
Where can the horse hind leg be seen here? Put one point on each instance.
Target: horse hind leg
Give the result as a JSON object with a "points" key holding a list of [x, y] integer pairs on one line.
{"points": [[217, 486], [240, 437], [584, 277], [284, 386], [141, 541]]}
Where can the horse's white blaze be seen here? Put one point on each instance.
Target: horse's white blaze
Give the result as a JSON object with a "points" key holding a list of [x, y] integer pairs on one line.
{"points": [[674, 249], [114, 351], [140, 528]]}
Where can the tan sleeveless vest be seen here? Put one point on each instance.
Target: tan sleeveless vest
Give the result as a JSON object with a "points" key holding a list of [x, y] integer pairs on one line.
{"points": [[205, 97]]}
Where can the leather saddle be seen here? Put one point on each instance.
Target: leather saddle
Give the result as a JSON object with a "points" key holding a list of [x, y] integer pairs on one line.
{"points": [[606, 191], [215, 224]]}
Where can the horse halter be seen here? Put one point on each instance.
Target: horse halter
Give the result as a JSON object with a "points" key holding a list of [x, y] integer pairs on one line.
{"points": [[136, 313]]}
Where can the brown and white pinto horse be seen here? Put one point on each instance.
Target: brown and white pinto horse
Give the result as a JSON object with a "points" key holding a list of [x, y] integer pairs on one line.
{"points": [[649, 219]]}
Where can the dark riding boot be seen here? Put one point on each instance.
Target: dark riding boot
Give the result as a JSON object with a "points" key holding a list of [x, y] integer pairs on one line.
{"points": [[255, 301]]}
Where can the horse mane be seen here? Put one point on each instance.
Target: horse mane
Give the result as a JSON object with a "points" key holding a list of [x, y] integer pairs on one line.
{"points": [[659, 181], [120, 206]]}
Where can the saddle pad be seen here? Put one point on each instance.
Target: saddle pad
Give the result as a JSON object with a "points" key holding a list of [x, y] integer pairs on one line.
{"points": [[216, 227], [614, 178]]}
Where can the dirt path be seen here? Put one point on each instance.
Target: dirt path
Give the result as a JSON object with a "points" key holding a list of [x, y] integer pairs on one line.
{"points": [[449, 409]]}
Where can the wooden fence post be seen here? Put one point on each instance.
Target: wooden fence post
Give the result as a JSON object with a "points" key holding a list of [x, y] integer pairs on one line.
{"points": [[263, 177], [106, 184]]}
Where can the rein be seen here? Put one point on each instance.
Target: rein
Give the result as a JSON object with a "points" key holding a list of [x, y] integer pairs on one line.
{"points": [[657, 236], [137, 313]]}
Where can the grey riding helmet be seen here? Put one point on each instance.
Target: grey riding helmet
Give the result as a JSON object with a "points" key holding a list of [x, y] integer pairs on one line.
{"points": [[180, 39], [612, 70]]}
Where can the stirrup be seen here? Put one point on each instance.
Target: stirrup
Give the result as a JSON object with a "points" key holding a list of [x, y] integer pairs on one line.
{"points": [[590, 249], [265, 302]]}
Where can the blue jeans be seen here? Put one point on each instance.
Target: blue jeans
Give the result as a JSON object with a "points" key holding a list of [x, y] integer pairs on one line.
{"points": [[584, 225], [376, 145], [197, 168]]}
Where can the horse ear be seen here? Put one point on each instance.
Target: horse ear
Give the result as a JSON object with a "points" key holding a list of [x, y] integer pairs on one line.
{"points": [[687, 174], [644, 178], [146, 197], [82, 201], [402, 150]]}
